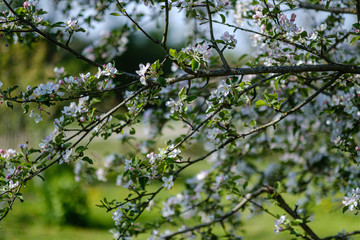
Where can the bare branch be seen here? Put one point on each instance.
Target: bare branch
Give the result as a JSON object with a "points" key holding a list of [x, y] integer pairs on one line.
{"points": [[358, 10], [166, 27], [226, 65], [265, 69], [341, 236], [320, 7], [137, 25], [18, 30]]}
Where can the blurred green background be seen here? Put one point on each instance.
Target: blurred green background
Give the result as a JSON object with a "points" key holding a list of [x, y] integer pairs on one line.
{"points": [[60, 207]]}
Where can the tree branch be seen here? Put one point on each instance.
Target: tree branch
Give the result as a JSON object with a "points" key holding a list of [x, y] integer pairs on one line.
{"points": [[47, 37], [276, 196], [284, 40], [293, 110], [341, 235], [248, 197], [166, 27], [136, 24], [358, 10], [265, 69], [320, 7], [226, 65]]}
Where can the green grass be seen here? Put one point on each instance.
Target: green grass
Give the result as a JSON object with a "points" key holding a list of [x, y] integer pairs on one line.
{"points": [[29, 220]]}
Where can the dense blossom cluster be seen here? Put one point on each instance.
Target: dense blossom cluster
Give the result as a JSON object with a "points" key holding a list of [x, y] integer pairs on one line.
{"points": [[285, 119]]}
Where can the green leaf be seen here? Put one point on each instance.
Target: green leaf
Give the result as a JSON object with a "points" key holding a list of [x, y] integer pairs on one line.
{"points": [[194, 65], [190, 99], [182, 94], [173, 53], [88, 160], [354, 40], [162, 81], [143, 181], [115, 14], [297, 221], [223, 19], [57, 24], [41, 177], [327, 4], [80, 149], [26, 108], [253, 123], [132, 131], [242, 57], [20, 196], [260, 103], [10, 105]]}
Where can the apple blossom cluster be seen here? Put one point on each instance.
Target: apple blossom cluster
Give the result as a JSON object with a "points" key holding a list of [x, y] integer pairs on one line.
{"points": [[175, 106], [30, 3], [220, 93], [67, 85], [8, 22], [286, 121], [229, 39], [142, 73], [199, 51], [72, 25], [278, 223], [352, 200], [222, 4]]}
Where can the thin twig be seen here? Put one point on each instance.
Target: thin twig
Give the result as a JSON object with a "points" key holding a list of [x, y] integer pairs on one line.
{"points": [[341, 236], [284, 40], [166, 27], [137, 25], [226, 65], [26, 30], [320, 7], [266, 69], [293, 110], [282, 203], [241, 205], [46, 36]]}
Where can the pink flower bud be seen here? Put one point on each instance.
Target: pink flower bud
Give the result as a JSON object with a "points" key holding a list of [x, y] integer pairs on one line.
{"points": [[82, 119], [7, 177], [357, 148]]}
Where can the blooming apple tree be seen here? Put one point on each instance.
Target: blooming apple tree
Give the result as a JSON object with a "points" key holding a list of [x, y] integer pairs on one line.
{"points": [[284, 120]]}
